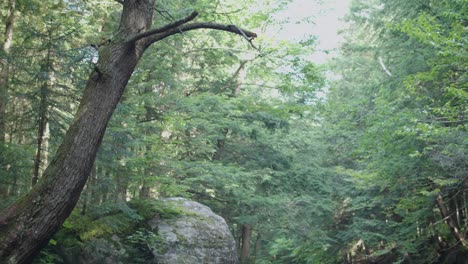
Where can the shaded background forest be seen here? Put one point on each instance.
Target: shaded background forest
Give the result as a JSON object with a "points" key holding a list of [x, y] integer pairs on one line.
{"points": [[359, 160]]}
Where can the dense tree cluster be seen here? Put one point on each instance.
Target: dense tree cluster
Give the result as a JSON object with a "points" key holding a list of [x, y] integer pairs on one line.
{"points": [[369, 167], [397, 123]]}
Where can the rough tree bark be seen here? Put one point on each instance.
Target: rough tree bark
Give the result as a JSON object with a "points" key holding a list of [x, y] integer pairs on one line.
{"points": [[28, 224]]}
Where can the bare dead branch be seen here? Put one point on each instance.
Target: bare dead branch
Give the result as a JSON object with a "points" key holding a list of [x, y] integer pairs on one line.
{"points": [[165, 14], [181, 26], [165, 28], [450, 221], [247, 38], [229, 13], [201, 25], [384, 68]]}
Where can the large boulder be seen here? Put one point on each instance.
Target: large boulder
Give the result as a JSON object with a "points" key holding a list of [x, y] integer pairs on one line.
{"points": [[194, 235], [182, 231]]}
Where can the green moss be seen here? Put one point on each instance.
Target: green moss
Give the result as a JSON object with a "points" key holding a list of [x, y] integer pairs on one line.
{"points": [[182, 240], [149, 208], [127, 221]]}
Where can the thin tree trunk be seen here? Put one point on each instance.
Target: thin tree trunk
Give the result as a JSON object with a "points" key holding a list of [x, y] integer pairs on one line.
{"points": [[45, 147], [17, 124], [122, 189], [219, 148], [88, 191], [27, 225], [239, 239], [246, 241], [13, 188], [105, 191], [93, 197], [453, 204], [257, 247], [237, 78], [451, 221], [42, 130], [145, 189], [4, 66], [144, 192]]}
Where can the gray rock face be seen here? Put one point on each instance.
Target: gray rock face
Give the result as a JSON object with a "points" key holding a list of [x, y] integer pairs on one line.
{"points": [[197, 235]]}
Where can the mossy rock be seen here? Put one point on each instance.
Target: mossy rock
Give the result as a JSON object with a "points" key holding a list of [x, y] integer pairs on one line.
{"points": [[196, 235], [166, 231]]}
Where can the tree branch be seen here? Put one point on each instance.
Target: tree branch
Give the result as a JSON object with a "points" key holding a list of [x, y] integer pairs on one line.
{"points": [[165, 28], [209, 196], [215, 198], [165, 14], [201, 25], [180, 26], [120, 1], [383, 67], [452, 223]]}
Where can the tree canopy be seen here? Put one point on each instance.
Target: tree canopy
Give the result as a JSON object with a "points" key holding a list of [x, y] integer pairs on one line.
{"points": [[107, 106]]}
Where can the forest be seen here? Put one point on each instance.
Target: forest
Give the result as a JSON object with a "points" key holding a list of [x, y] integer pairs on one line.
{"points": [[108, 107]]}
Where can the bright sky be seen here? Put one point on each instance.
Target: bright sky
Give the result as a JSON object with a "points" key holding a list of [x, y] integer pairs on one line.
{"points": [[327, 17]]}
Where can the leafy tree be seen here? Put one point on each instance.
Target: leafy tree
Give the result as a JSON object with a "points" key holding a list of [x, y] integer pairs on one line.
{"points": [[4, 69], [387, 119], [53, 198]]}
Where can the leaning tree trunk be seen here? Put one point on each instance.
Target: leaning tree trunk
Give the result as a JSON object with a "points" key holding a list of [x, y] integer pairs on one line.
{"points": [[27, 225]]}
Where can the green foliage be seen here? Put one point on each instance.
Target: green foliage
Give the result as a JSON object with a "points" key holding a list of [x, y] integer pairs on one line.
{"points": [[395, 135], [15, 166], [103, 221], [48, 257], [142, 245], [244, 131], [124, 226]]}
